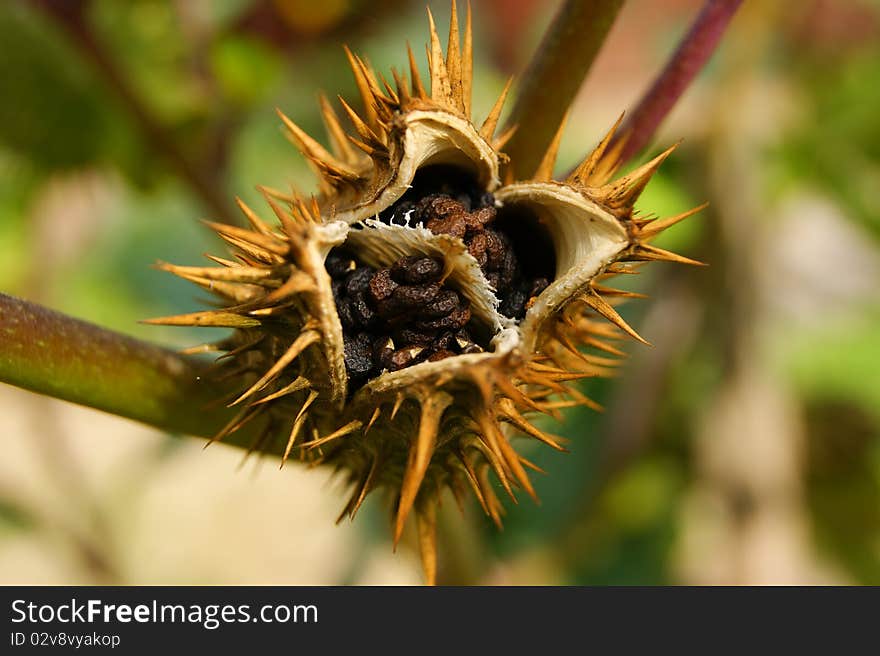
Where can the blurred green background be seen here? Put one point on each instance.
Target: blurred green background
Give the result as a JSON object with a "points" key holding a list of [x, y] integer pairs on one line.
{"points": [[744, 447]]}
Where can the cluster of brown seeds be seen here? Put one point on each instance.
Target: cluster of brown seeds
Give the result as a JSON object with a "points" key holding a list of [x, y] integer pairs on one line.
{"points": [[397, 316]]}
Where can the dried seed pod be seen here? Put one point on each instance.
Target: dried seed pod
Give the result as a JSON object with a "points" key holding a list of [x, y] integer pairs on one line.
{"points": [[405, 324]]}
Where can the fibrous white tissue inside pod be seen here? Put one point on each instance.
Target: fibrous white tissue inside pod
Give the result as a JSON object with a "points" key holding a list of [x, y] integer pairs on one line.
{"points": [[404, 324]]}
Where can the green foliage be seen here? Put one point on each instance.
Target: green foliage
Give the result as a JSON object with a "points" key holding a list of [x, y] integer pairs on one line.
{"points": [[53, 111]]}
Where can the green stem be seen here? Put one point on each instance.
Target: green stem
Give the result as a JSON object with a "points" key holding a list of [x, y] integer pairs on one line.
{"points": [[554, 77], [53, 354]]}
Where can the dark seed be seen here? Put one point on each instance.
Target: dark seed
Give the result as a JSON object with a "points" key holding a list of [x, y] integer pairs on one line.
{"points": [[410, 337], [409, 297], [358, 281], [416, 270], [358, 356], [443, 342], [455, 319], [381, 285], [346, 316], [444, 303], [405, 357], [362, 312], [383, 349], [439, 355]]}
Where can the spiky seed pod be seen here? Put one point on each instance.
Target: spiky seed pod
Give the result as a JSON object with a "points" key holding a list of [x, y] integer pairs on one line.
{"points": [[407, 322]]}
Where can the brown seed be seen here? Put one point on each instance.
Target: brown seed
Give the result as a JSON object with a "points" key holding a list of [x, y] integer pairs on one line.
{"points": [[381, 285], [458, 318], [439, 355], [405, 357], [416, 270]]}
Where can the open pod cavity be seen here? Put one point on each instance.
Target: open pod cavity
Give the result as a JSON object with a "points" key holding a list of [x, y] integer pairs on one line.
{"points": [[584, 237], [418, 140]]}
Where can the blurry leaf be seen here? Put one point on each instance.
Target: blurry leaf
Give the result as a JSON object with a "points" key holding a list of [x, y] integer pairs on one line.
{"points": [[16, 185], [843, 485], [627, 539], [642, 495], [312, 17], [839, 362], [50, 112], [245, 68], [837, 147]]}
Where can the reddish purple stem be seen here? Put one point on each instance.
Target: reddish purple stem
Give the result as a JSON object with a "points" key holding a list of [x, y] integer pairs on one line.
{"points": [[691, 55]]}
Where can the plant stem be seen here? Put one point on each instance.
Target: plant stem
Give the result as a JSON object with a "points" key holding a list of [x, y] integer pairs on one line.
{"points": [[689, 57], [554, 76], [70, 15], [53, 354]]}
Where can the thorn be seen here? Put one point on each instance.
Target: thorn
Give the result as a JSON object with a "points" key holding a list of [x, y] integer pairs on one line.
{"points": [[489, 425], [492, 503], [403, 88], [234, 274], [373, 419], [544, 172], [467, 64], [602, 290], [418, 89], [252, 217], [215, 318], [297, 283], [327, 164], [201, 348], [299, 383], [349, 428], [601, 306], [421, 450], [266, 242], [288, 225], [365, 487], [502, 139], [657, 226], [532, 466], [623, 192], [338, 139], [305, 339], [440, 92], [510, 412], [453, 62], [646, 252], [585, 171], [360, 126], [297, 424], [368, 98], [472, 479], [490, 452], [398, 401], [238, 420], [256, 444], [487, 130]]}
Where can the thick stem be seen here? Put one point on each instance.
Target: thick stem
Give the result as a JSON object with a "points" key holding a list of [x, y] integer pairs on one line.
{"points": [[52, 354], [688, 59], [554, 77]]}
